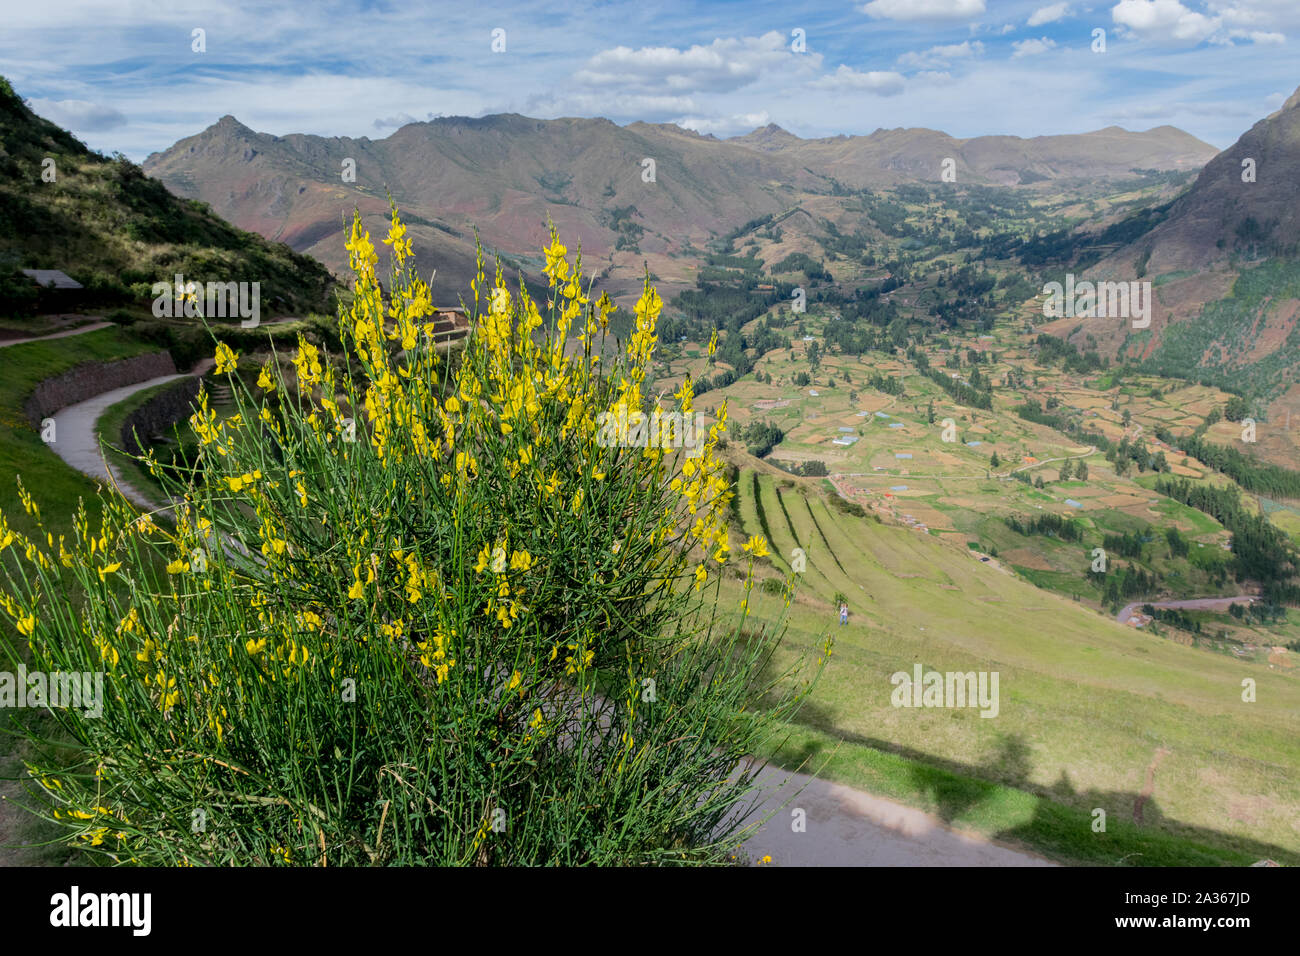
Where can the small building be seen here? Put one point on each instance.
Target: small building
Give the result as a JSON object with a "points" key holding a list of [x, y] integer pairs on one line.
{"points": [[52, 279], [449, 324], [58, 290]]}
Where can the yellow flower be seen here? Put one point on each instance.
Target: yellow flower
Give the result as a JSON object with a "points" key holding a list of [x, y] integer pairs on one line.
{"points": [[758, 545], [264, 379], [225, 358], [307, 362]]}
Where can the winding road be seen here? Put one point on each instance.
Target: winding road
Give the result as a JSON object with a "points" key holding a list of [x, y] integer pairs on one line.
{"points": [[847, 827], [1190, 604], [77, 443], [79, 330]]}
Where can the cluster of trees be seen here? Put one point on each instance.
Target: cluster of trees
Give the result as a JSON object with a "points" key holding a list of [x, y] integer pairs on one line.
{"points": [[1053, 526], [850, 338], [1072, 468], [1264, 612], [801, 262], [886, 383], [1261, 551], [807, 469], [1032, 411], [1121, 584], [1051, 350], [1255, 476], [1175, 617], [1128, 545], [1128, 453], [760, 437], [725, 306], [961, 392]]}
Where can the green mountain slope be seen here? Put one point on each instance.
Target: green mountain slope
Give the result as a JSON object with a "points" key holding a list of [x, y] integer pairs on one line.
{"points": [[103, 222]]}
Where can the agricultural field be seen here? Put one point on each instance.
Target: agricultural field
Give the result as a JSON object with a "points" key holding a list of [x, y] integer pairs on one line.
{"points": [[1087, 704]]}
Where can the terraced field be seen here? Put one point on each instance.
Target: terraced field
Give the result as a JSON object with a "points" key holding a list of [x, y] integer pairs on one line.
{"points": [[1085, 703]]}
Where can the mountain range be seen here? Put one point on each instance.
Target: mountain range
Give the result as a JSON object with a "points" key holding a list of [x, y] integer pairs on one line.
{"points": [[504, 175]]}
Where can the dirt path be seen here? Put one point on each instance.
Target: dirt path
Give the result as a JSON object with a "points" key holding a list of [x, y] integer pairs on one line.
{"points": [[1150, 787], [847, 827], [1193, 604], [77, 443], [79, 330]]}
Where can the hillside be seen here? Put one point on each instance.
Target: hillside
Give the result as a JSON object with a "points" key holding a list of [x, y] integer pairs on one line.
{"points": [[1225, 264], [500, 175], [503, 175], [1223, 215], [107, 225], [888, 157]]}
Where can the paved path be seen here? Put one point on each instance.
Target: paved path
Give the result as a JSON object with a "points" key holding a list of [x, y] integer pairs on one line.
{"points": [[79, 330], [1193, 604], [847, 827], [76, 442]]}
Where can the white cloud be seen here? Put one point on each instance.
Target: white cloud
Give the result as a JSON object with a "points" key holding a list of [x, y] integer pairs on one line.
{"points": [[639, 105], [1048, 14], [391, 122], [1165, 20], [722, 66], [923, 9], [725, 125], [881, 82], [942, 55], [78, 115], [1032, 47], [1257, 14], [1271, 38]]}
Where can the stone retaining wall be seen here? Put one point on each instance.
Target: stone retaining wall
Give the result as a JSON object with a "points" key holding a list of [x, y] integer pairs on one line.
{"points": [[93, 378], [173, 404]]}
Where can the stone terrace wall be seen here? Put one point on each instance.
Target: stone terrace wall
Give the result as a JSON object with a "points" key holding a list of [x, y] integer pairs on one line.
{"points": [[171, 405], [93, 378]]}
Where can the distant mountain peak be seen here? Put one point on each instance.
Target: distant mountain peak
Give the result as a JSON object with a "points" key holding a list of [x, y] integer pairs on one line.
{"points": [[1292, 102]]}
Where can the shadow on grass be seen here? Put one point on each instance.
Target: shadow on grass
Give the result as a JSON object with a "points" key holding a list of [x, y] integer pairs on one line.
{"points": [[997, 797]]}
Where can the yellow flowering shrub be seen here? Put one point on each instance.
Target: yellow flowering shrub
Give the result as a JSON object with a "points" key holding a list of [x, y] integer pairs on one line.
{"points": [[411, 608]]}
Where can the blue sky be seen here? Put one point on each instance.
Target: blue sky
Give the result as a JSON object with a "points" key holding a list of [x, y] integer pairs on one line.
{"points": [[123, 76]]}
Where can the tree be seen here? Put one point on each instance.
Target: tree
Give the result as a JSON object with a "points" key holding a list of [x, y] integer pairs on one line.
{"points": [[1081, 471], [994, 461]]}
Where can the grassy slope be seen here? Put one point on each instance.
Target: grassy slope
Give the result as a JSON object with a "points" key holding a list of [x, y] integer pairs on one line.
{"points": [[22, 453], [56, 488], [106, 224], [1085, 704]]}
